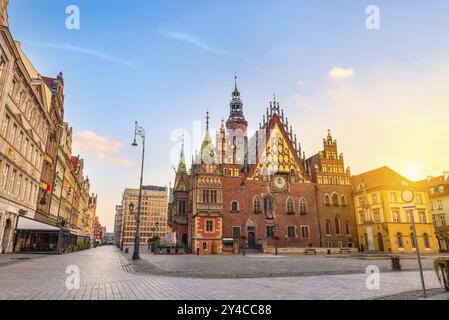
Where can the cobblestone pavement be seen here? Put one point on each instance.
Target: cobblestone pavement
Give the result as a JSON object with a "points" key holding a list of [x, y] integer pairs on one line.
{"points": [[265, 265], [106, 274]]}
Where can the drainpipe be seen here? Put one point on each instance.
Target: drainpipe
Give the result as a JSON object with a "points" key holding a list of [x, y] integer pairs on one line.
{"points": [[318, 216]]}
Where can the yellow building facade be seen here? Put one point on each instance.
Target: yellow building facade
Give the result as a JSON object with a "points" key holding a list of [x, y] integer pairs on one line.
{"points": [[382, 224]]}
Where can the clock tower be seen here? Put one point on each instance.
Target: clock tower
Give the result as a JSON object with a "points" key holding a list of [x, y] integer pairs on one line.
{"points": [[236, 128]]}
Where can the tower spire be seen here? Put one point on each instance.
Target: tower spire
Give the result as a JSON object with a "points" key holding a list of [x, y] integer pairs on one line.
{"points": [[236, 107], [182, 162], [235, 80], [207, 146]]}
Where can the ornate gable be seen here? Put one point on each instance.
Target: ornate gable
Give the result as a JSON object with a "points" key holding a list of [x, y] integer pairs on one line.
{"points": [[277, 149]]}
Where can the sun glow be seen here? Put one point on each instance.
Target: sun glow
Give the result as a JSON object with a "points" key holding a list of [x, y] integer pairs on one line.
{"points": [[413, 172]]}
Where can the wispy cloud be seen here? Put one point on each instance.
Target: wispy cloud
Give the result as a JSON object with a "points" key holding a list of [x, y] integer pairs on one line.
{"points": [[102, 149], [86, 51], [190, 39], [341, 73]]}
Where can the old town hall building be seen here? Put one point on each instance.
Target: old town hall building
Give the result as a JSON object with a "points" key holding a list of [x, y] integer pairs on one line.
{"points": [[261, 192]]}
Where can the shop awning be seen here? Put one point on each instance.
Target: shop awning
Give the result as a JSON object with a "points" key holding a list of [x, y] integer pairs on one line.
{"points": [[33, 225]]}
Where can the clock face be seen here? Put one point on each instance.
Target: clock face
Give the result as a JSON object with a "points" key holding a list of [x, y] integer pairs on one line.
{"points": [[407, 196], [280, 182]]}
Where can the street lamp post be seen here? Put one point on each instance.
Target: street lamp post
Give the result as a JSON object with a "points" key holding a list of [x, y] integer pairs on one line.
{"points": [[276, 238], [243, 237], [139, 131], [131, 213], [418, 255]]}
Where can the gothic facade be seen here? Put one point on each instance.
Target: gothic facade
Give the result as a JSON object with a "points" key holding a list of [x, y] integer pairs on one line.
{"points": [[261, 192]]}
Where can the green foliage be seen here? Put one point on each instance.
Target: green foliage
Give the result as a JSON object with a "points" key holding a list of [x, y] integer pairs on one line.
{"points": [[441, 267], [81, 246]]}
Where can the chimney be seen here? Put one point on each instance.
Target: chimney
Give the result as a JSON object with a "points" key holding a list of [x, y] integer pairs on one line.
{"points": [[446, 175], [429, 178]]}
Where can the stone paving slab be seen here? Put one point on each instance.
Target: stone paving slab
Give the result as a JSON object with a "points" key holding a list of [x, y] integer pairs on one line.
{"points": [[263, 265], [105, 275]]}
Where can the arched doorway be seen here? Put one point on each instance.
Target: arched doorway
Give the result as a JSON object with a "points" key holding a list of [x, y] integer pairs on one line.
{"points": [[380, 242], [251, 240], [184, 238]]}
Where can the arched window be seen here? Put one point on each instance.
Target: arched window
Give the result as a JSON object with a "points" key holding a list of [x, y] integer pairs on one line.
{"points": [[302, 206], [234, 206], [256, 205], [337, 226], [335, 200], [343, 200], [399, 240], [426, 240], [347, 229], [267, 204], [412, 238], [327, 200], [328, 228], [290, 205]]}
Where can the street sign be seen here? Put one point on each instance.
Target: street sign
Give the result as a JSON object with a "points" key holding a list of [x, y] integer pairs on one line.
{"points": [[408, 206]]}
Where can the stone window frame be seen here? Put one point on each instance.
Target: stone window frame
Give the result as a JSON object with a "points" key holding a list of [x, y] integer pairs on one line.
{"points": [[327, 200], [287, 230], [399, 240], [347, 228], [335, 197], [422, 217], [337, 225], [269, 200], [206, 225], [231, 208], [290, 205], [426, 240], [302, 201], [328, 224], [343, 200], [305, 227], [259, 209]]}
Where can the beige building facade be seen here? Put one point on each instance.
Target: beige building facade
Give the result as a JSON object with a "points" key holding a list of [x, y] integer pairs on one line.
{"points": [[118, 225], [25, 122], [153, 216]]}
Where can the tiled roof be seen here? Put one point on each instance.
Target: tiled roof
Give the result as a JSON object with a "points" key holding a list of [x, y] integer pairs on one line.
{"points": [[434, 181], [49, 81], [381, 177]]}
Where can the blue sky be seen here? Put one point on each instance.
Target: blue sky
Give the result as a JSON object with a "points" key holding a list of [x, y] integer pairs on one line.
{"points": [[164, 63]]}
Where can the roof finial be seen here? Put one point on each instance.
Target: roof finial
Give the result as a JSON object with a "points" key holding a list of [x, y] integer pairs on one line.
{"points": [[235, 79], [207, 120], [274, 99], [329, 133]]}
